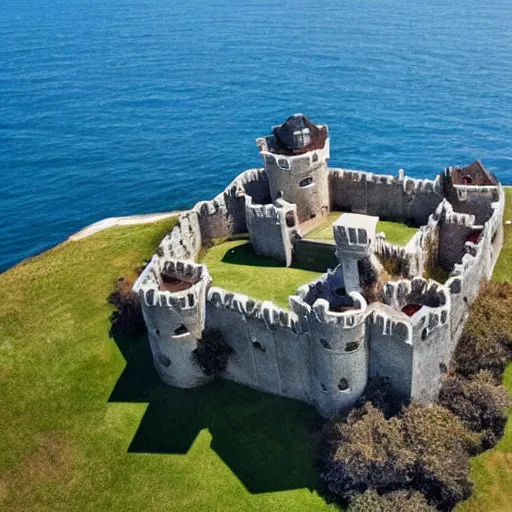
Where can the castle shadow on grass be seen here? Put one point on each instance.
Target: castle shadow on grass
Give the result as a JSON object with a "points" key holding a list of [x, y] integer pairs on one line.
{"points": [[245, 255], [264, 439]]}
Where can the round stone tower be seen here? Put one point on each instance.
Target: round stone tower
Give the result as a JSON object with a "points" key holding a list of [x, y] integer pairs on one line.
{"points": [[295, 158], [173, 299]]}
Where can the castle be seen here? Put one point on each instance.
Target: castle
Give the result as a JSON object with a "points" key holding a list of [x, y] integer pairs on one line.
{"points": [[335, 335]]}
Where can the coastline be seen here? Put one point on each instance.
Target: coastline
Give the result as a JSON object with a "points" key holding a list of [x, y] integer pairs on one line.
{"points": [[111, 222], [130, 220]]}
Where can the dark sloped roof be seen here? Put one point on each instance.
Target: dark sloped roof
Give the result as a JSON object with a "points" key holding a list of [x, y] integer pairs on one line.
{"points": [[289, 142], [473, 174]]}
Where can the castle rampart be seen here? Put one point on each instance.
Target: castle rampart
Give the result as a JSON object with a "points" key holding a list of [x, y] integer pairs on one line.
{"points": [[397, 198], [325, 347]]}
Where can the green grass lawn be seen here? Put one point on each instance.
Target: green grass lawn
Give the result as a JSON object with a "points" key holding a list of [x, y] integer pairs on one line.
{"points": [[396, 233], [87, 426], [234, 266]]}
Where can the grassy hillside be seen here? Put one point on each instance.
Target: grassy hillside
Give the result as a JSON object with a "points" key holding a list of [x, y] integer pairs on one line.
{"points": [[86, 425]]}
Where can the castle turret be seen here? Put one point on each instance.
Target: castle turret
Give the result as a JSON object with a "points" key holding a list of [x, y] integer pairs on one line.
{"points": [[339, 349], [173, 299], [354, 235], [295, 158]]}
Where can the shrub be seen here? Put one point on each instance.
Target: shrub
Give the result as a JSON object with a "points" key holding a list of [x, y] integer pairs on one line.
{"points": [[442, 446], [425, 448], [368, 274], [126, 319], [380, 394], [365, 452], [395, 267], [397, 501], [479, 404], [212, 352], [369, 280], [486, 342]]}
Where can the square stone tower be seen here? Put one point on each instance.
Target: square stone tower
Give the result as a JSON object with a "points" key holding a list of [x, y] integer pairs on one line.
{"points": [[354, 235]]}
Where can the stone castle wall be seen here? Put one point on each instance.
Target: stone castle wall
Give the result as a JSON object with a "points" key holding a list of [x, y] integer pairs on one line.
{"points": [[397, 198], [316, 352]]}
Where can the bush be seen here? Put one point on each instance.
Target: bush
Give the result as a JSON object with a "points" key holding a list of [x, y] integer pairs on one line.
{"points": [[369, 280], [212, 352], [442, 446], [126, 319], [380, 394], [365, 452], [479, 404], [368, 274], [425, 448], [486, 342], [397, 501]]}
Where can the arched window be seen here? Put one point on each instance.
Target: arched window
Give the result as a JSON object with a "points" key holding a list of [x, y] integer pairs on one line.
{"points": [[259, 346], [324, 343], [283, 163], [351, 346], [164, 360], [343, 385], [302, 137], [180, 330], [306, 182]]}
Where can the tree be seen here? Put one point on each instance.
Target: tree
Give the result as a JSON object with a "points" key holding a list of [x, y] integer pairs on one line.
{"points": [[486, 342], [212, 352], [380, 394]]}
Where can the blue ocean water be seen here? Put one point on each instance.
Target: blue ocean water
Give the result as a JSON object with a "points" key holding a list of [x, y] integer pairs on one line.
{"points": [[130, 106]]}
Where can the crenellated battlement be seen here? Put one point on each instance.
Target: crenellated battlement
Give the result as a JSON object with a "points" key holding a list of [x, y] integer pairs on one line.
{"points": [[325, 347], [422, 186]]}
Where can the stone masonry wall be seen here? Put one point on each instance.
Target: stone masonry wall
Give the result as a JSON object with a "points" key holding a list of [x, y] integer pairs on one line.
{"points": [[388, 197]]}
